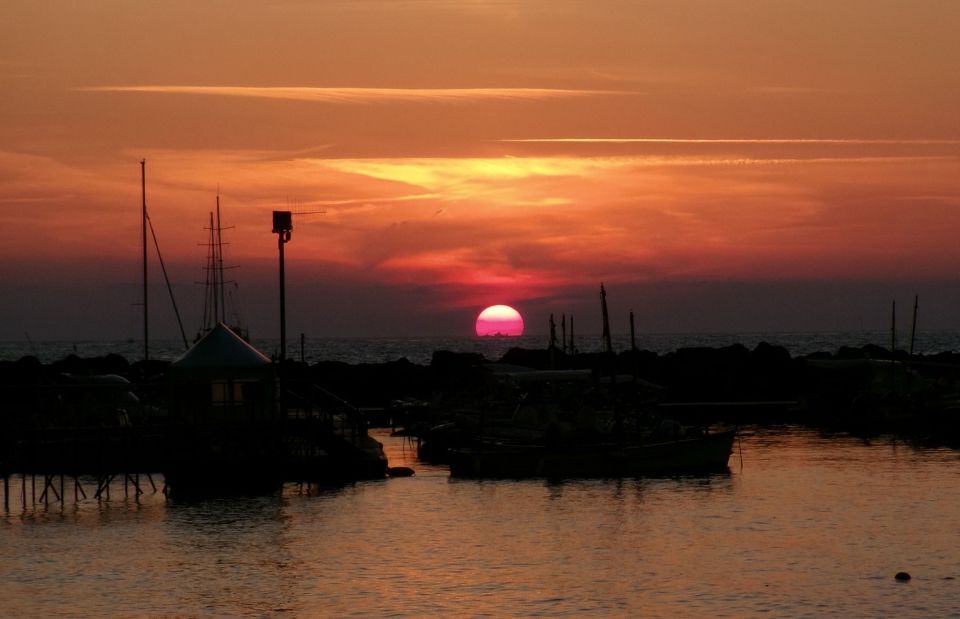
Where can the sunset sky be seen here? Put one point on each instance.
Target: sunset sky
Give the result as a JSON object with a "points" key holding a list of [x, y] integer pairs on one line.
{"points": [[747, 165]]}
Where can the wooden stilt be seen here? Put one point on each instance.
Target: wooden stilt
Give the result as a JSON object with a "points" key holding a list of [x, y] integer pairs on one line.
{"points": [[49, 485], [103, 487], [136, 485]]}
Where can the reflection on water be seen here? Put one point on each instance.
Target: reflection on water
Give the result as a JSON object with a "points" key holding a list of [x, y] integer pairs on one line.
{"points": [[809, 526]]}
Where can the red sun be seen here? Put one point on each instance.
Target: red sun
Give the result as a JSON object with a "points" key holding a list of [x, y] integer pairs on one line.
{"points": [[499, 320]]}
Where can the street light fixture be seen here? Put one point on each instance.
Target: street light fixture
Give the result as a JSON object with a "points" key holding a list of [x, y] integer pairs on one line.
{"points": [[282, 226]]}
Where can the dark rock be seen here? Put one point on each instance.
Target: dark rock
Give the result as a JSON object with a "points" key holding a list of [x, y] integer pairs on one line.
{"points": [[400, 471]]}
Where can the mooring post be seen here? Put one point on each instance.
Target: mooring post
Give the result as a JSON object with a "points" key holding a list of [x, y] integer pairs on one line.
{"points": [[6, 492]]}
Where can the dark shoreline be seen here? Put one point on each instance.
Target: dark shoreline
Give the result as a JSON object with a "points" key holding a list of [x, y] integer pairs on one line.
{"points": [[861, 389]]}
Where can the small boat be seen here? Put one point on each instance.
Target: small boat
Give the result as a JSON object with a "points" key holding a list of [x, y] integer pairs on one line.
{"points": [[705, 452]]}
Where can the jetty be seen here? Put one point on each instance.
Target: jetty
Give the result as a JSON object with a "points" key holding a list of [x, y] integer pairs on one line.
{"points": [[217, 420]]}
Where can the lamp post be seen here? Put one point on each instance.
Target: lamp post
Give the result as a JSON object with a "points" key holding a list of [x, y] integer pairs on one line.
{"points": [[282, 226]]}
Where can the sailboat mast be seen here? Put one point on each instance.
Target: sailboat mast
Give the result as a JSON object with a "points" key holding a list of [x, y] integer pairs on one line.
{"points": [[219, 266], [146, 323], [913, 327], [607, 344], [210, 294]]}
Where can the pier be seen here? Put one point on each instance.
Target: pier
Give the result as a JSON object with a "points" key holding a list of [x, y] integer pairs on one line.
{"points": [[210, 423]]}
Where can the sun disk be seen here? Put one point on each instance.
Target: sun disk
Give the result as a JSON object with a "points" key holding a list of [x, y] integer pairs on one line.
{"points": [[499, 320]]}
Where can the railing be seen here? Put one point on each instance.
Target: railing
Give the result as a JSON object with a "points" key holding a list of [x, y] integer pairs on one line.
{"points": [[308, 401]]}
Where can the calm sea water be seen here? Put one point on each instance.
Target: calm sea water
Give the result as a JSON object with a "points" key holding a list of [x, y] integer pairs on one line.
{"points": [[420, 349], [806, 526]]}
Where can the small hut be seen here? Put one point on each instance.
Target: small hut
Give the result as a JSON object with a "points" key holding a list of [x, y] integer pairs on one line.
{"points": [[223, 380], [224, 431]]}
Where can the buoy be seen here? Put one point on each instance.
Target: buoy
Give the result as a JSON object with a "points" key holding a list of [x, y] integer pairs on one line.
{"points": [[400, 471], [902, 576]]}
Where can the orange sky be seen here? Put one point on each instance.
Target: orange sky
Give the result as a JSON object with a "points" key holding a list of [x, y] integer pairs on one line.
{"points": [[699, 157]]}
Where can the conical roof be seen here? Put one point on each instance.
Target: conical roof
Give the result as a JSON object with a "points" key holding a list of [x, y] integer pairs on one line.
{"points": [[221, 349]]}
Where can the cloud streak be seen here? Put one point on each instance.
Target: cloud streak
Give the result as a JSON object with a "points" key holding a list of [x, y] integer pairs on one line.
{"points": [[366, 95], [759, 141]]}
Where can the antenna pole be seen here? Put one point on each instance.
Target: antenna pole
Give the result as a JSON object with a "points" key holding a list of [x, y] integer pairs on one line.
{"points": [[146, 323], [282, 227]]}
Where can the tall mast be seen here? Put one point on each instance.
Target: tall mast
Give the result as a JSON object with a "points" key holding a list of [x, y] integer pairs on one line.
{"points": [[219, 258], [607, 344], [146, 323], [913, 328], [210, 290]]}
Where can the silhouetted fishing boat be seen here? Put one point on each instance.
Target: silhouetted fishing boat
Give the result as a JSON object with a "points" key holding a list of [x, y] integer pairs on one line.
{"points": [[704, 452]]}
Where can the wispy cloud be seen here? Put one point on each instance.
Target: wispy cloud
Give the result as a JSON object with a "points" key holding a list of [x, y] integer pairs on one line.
{"points": [[458, 178], [841, 141], [786, 90], [364, 95]]}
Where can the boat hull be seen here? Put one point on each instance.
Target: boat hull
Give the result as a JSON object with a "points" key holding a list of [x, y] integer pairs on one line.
{"points": [[706, 453]]}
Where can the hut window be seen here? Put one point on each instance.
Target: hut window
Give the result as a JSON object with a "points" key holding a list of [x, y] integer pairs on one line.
{"points": [[220, 393], [226, 393]]}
